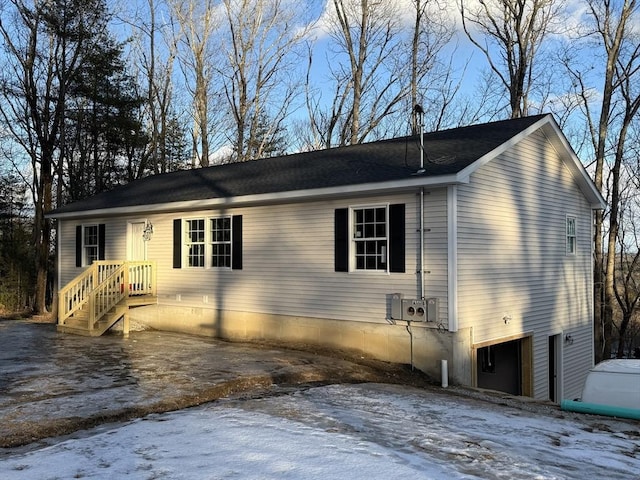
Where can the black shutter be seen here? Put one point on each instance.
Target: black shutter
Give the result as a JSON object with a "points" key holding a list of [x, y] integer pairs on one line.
{"points": [[101, 241], [341, 241], [396, 238], [177, 243], [236, 242], [78, 245]]}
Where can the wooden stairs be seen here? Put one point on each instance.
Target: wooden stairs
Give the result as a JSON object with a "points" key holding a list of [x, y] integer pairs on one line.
{"points": [[102, 295]]}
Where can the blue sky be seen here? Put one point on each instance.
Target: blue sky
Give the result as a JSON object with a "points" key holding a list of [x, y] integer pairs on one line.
{"points": [[469, 63]]}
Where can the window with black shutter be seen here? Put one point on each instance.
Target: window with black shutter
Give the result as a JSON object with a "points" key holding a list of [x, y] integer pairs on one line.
{"points": [[90, 244], [208, 242], [370, 238]]}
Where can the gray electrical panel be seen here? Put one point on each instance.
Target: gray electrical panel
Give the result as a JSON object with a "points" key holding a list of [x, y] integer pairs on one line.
{"points": [[414, 310]]}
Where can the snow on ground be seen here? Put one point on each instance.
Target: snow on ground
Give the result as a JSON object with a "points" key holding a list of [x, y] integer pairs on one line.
{"points": [[367, 431]]}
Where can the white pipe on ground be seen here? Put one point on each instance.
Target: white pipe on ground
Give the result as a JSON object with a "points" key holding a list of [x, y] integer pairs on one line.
{"points": [[444, 367]]}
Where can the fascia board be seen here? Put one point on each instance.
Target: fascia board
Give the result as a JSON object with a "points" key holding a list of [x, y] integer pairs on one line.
{"points": [[575, 166], [259, 199], [557, 139], [487, 157]]}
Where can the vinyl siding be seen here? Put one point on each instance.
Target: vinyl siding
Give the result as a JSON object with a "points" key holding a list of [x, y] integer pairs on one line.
{"points": [[575, 360], [115, 245], [288, 264], [436, 249], [512, 259]]}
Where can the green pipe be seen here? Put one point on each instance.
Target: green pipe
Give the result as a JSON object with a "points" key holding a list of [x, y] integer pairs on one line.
{"points": [[599, 409]]}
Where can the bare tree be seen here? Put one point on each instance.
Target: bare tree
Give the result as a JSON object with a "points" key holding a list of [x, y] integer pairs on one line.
{"points": [[155, 48], [628, 299], [366, 68], [608, 122], [264, 41], [432, 31], [45, 45], [198, 21], [626, 282], [510, 34]]}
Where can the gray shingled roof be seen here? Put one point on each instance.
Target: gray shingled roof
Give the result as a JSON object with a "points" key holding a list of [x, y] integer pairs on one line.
{"points": [[446, 152]]}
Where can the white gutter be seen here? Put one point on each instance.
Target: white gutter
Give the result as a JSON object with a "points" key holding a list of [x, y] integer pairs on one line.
{"points": [[299, 195]]}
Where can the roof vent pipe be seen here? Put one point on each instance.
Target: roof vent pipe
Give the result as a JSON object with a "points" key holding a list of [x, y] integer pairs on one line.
{"points": [[418, 113]]}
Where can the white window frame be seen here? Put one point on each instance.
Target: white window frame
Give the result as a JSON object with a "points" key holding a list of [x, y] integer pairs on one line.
{"points": [[571, 238], [195, 247], [225, 243], [88, 259], [355, 240], [205, 243]]}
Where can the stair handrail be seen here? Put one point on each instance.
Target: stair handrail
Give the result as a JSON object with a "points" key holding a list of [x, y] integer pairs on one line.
{"points": [[108, 293], [76, 293]]}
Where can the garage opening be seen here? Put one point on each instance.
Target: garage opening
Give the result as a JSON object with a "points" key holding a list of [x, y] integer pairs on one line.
{"points": [[505, 367]]}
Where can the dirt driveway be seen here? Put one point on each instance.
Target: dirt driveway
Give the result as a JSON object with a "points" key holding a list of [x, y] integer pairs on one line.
{"points": [[53, 384]]}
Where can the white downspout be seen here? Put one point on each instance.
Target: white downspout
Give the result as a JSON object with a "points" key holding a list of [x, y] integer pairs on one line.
{"points": [[421, 207], [422, 243], [452, 254]]}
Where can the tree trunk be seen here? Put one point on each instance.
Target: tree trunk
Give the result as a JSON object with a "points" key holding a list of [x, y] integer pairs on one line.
{"points": [[598, 292], [42, 233]]}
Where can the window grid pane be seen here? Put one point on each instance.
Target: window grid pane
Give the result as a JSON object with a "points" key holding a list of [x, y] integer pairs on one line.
{"points": [[196, 255], [92, 254], [221, 242], [196, 231], [571, 236], [370, 237], [90, 244], [91, 235], [195, 242]]}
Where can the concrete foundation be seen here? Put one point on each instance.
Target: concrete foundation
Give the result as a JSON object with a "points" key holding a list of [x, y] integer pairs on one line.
{"points": [[422, 347]]}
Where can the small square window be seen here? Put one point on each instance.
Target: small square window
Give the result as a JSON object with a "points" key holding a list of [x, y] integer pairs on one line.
{"points": [[571, 236]]}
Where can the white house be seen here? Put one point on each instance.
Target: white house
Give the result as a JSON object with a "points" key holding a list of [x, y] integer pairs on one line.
{"points": [[475, 249]]}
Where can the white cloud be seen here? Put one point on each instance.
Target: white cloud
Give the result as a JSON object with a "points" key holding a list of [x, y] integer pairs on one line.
{"points": [[403, 8]]}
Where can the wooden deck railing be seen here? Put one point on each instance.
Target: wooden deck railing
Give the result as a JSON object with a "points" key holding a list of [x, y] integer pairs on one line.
{"points": [[142, 278], [103, 285]]}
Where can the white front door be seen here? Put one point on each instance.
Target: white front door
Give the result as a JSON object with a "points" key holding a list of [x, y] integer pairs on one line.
{"points": [[137, 245]]}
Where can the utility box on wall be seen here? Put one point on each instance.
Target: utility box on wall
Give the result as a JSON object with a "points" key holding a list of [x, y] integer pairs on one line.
{"points": [[396, 306], [414, 310], [432, 309]]}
